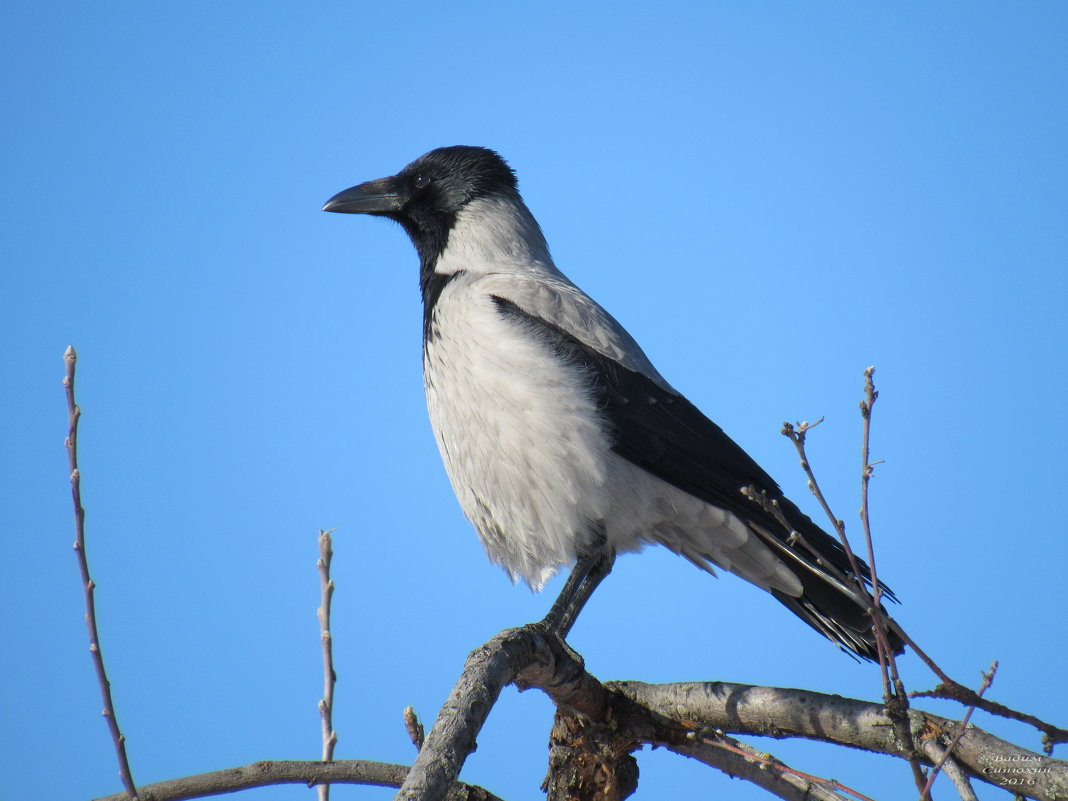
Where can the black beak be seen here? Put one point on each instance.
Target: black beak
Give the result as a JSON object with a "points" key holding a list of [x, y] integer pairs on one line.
{"points": [[373, 197]]}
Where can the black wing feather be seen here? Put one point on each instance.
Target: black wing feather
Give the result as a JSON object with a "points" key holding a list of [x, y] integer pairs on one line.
{"points": [[666, 435]]}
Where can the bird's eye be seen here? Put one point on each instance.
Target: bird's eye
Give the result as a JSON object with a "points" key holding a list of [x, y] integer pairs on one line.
{"points": [[422, 180]]}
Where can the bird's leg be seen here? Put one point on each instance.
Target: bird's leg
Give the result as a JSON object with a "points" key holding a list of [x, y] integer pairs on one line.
{"points": [[588, 572]]}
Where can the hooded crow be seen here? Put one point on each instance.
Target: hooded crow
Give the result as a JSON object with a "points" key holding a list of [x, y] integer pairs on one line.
{"points": [[562, 441]]}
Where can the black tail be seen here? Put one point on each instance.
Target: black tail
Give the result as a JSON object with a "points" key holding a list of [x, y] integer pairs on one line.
{"points": [[830, 601], [839, 617]]}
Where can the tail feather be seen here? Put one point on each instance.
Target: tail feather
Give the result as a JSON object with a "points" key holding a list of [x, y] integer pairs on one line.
{"points": [[832, 607], [842, 619]]}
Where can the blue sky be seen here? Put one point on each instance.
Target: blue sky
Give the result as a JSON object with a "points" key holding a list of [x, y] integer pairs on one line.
{"points": [[770, 196]]}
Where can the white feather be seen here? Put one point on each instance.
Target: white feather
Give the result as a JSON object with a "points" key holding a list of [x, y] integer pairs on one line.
{"points": [[528, 453]]}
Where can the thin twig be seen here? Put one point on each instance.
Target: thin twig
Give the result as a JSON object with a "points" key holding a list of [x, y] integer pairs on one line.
{"points": [[937, 754], [74, 413], [833, 786], [326, 705], [740, 760], [948, 688], [797, 434], [885, 653], [772, 507], [951, 690], [894, 693], [887, 661], [865, 411], [897, 700], [988, 679]]}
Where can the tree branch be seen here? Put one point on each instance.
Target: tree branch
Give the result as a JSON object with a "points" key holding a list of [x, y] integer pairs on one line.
{"points": [[743, 761], [691, 719], [668, 715], [326, 705], [598, 726], [775, 712], [944, 759], [262, 774], [953, 691], [74, 414], [894, 695], [489, 668]]}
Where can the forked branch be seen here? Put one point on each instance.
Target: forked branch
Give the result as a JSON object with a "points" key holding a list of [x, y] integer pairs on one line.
{"points": [[674, 716]]}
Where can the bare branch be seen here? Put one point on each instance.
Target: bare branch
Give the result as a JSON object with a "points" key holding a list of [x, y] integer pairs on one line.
{"points": [[797, 435], [263, 774], [668, 715], [589, 757], [612, 720], [549, 664], [772, 507], [865, 410], [988, 678], [887, 663], [743, 761], [775, 712], [897, 702], [943, 759], [326, 705], [951, 690], [894, 695], [74, 414]]}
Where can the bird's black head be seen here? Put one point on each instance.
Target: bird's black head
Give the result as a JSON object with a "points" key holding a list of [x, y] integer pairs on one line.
{"points": [[426, 196]]}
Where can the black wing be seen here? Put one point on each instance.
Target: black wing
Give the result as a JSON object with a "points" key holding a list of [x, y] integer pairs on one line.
{"points": [[666, 435]]}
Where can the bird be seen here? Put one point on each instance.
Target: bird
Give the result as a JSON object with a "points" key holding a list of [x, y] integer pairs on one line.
{"points": [[563, 443]]}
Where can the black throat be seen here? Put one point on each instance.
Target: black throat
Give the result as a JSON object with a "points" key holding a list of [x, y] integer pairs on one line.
{"points": [[430, 235], [433, 284]]}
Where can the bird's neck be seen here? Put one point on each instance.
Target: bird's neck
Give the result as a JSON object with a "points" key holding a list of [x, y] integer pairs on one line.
{"points": [[493, 235], [489, 235]]}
